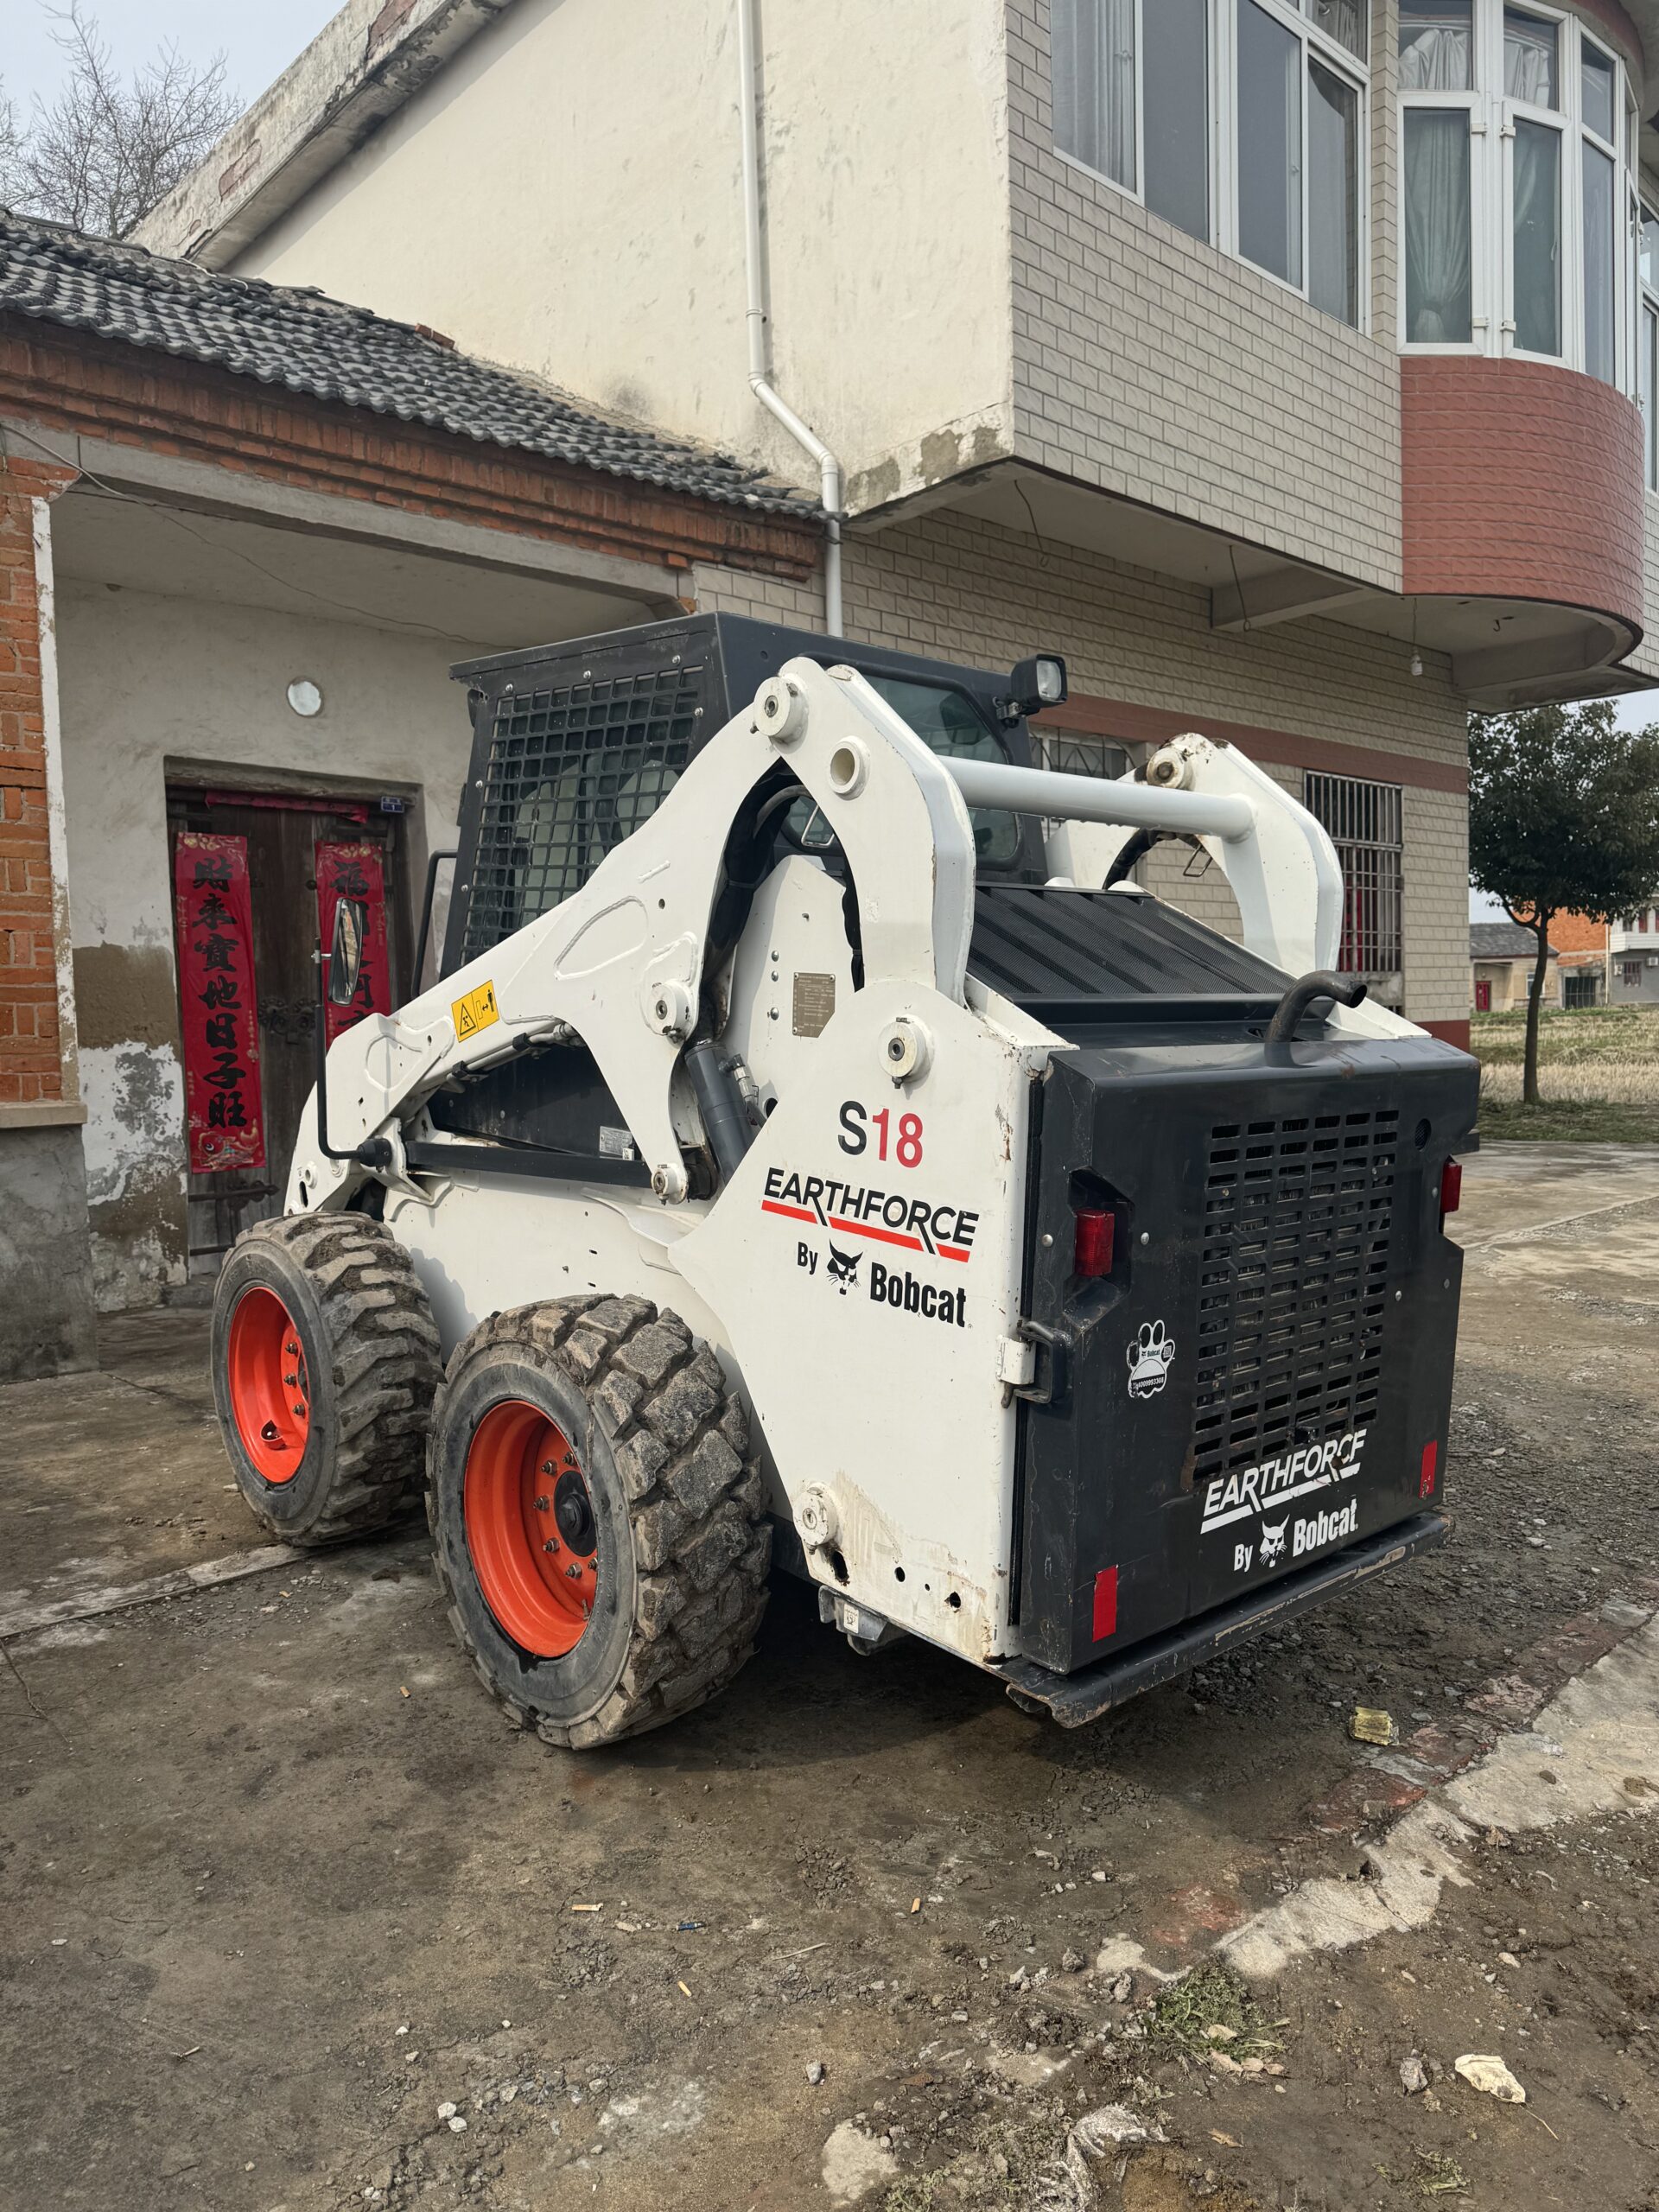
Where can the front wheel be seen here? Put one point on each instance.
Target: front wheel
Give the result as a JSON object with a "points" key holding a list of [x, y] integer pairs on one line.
{"points": [[600, 1533], [325, 1359]]}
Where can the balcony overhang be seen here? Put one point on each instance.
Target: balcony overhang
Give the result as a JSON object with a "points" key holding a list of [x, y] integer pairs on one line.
{"points": [[1507, 647]]}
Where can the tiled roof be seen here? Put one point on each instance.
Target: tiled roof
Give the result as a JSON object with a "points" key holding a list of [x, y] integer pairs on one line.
{"points": [[1502, 941], [306, 342]]}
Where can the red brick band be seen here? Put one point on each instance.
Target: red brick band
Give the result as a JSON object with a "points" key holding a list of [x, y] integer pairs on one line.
{"points": [[1094, 717]]}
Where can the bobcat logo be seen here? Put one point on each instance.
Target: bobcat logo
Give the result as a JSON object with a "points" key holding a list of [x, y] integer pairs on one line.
{"points": [[1149, 1354], [1273, 1541], [843, 1270]]}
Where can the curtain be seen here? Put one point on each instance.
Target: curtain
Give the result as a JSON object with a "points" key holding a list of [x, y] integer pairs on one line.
{"points": [[1436, 60], [1537, 237], [1529, 59], [1344, 20], [1439, 301], [1092, 45]]}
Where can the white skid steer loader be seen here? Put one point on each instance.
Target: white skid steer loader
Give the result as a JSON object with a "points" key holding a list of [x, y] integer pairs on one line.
{"points": [[819, 1147]]}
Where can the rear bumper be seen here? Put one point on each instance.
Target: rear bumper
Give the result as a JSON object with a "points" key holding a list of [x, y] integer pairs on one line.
{"points": [[1076, 1699]]}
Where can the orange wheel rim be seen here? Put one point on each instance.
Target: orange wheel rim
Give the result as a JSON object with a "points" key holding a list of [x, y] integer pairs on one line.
{"points": [[270, 1387], [530, 1530]]}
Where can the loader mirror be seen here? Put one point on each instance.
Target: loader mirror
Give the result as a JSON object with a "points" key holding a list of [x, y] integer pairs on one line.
{"points": [[1035, 684], [346, 949]]}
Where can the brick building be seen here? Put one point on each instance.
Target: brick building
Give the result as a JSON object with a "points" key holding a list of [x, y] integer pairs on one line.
{"points": [[244, 534], [1281, 362]]}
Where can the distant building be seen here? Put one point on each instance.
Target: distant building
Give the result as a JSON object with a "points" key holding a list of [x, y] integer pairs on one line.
{"points": [[1633, 959], [1502, 955], [1582, 945]]}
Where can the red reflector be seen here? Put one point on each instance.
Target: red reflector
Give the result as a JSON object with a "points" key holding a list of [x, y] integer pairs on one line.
{"points": [[1431, 1467], [1451, 1187], [1097, 1234], [1105, 1604]]}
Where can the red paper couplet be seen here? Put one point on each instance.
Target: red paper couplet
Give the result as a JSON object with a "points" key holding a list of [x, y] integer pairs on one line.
{"points": [[355, 872], [218, 1002]]}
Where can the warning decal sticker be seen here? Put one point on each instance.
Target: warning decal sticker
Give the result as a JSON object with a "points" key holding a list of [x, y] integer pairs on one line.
{"points": [[476, 1011]]}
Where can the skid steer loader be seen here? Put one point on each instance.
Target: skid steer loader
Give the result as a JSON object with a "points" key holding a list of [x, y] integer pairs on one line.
{"points": [[819, 1147]]}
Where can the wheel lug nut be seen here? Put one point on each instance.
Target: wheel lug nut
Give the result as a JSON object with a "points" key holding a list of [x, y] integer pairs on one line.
{"points": [[547, 1466], [543, 1503], [551, 1545]]}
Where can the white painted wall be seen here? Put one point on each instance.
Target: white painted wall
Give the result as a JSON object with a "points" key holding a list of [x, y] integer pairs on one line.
{"points": [[145, 679], [564, 197]]}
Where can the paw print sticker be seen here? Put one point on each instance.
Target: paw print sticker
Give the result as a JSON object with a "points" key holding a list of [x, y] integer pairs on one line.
{"points": [[1149, 1352]]}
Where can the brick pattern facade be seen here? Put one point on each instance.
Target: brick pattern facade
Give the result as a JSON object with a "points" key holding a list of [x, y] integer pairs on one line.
{"points": [[1155, 366], [1522, 481], [31, 1069]]}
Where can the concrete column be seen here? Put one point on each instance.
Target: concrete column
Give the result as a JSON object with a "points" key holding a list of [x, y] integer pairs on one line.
{"points": [[46, 1287]]}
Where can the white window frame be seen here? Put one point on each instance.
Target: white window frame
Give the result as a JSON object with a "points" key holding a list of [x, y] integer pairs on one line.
{"points": [[1221, 93], [1647, 303], [1492, 120]]}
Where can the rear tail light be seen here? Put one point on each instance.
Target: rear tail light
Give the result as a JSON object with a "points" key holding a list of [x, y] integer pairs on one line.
{"points": [[1096, 1237], [1429, 1471], [1451, 1187], [1104, 1623]]}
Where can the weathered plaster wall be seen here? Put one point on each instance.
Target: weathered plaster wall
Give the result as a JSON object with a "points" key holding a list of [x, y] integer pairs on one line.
{"points": [[46, 1292], [147, 680], [571, 133]]}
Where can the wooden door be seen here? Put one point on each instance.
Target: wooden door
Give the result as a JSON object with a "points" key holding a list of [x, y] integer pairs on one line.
{"points": [[282, 834]]}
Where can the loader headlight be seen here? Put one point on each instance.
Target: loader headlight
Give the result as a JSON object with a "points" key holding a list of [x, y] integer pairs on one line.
{"points": [[1036, 684]]}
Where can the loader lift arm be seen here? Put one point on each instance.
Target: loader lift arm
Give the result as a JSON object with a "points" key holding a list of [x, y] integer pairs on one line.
{"points": [[624, 965]]}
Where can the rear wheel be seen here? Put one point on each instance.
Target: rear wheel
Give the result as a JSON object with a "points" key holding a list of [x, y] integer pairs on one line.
{"points": [[600, 1532], [325, 1359]]}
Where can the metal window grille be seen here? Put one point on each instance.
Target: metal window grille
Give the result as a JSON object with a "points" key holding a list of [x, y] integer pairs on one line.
{"points": [[572, 772], [1083, 756], [1365, 820]]}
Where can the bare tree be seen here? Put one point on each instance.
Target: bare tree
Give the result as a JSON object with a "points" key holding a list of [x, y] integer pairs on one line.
{"points": [[103, 152]]}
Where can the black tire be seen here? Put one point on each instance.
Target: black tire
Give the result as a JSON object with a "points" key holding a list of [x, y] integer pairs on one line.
{"points": [[372, 1366], [679, 1539]]}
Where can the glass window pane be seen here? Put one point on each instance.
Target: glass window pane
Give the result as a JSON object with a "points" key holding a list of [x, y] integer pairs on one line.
{"points": [[1598, 81], [1530, 47], [1439, 301], [948, 722], [1649, 259], [1345, 20], [1537, 211], [1332, 194], [1177, 102], [1599, 185], [1649, 359], [1437, 39], [1269, 144], [1092, 45]]}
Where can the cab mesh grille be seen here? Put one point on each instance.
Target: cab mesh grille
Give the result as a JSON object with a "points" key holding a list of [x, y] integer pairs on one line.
{"points": [[572, 770], [1293, 1286]]}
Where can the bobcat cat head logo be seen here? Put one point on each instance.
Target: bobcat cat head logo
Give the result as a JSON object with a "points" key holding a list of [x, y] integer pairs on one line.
{"points": [[1149, 1353], [1273, 1541], [843, 1270]]}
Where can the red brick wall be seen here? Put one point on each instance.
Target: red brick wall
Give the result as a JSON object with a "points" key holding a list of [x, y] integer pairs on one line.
{"points": [[30, 1071], [1522, 481]]}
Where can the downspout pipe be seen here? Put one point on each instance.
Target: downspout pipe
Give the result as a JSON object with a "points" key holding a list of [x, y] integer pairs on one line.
{"points": [[754, 261]]}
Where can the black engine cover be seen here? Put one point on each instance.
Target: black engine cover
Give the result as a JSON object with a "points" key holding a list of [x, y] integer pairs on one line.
{"points": [[1265, 1376]]}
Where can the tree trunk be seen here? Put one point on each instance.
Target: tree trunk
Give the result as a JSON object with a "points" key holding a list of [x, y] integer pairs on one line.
{"points": [[1534, 1008]]}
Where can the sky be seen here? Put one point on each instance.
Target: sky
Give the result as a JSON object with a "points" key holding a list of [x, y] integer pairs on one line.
{"points": [[258, 40]]}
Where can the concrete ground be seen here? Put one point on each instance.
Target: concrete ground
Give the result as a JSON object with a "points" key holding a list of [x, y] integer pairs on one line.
{"points": [[278, 1889]]}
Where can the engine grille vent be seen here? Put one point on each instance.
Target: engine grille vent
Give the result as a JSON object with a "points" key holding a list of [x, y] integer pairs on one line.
{"points": [[1294, 1284], [572, 772]]}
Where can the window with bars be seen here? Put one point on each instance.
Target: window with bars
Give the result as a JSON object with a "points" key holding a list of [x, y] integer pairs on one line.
{"points": [[1083, 756], [1363, 823]]}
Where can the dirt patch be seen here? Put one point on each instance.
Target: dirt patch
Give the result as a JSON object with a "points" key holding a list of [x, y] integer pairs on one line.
{"points": [[276, 1887]]}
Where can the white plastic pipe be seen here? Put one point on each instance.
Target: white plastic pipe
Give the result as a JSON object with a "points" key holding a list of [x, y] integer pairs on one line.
{"points": [[804, 436], [1089, 798]]}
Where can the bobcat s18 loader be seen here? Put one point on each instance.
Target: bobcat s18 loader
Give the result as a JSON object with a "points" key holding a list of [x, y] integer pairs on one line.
{"points": [[818, 1147]]}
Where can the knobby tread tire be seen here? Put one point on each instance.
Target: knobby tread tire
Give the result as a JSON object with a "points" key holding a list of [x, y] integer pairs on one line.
{"points": [[696, 1502], [387, 1363]]}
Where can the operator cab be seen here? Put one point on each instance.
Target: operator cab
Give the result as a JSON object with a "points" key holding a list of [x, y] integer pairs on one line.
{"points": [[575, 745]]}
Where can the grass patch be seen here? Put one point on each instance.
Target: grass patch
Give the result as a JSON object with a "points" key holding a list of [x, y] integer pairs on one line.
{"points": [[1567, 1121], [1598, 1068], [1439, 2176], [1210, 1998]]}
